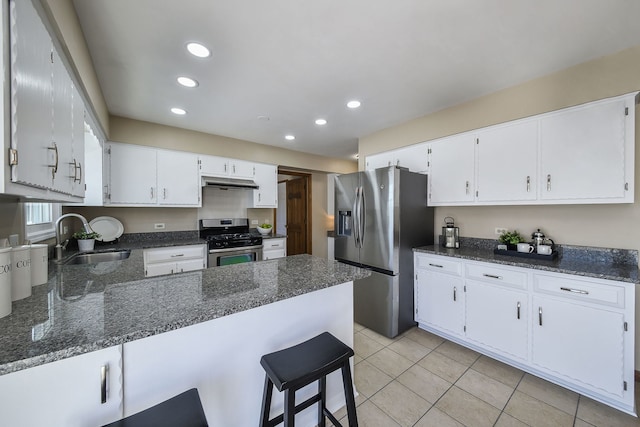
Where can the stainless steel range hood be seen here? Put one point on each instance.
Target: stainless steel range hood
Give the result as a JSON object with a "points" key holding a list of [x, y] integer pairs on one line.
{"points": [[229, 183]]}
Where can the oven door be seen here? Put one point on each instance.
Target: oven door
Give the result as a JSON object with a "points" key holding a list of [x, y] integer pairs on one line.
{"points": [[218, 257]]}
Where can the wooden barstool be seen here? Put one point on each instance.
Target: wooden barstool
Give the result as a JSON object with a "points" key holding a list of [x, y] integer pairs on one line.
{"points": [[295, 367], [183, 410]]}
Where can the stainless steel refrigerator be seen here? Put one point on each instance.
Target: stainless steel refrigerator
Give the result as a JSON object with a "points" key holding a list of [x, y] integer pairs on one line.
{"points": [[380, 215]]}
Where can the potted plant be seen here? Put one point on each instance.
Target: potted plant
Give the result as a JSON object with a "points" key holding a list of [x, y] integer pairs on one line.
{"points": [[86, 240], [511, 239]]}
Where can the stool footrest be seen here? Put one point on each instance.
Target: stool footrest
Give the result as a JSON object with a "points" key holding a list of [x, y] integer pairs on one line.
{"points": [[299, 407]]}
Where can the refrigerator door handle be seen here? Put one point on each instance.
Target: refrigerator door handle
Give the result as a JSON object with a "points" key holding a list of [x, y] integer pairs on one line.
{"points": [[355, 227], [362, 217]]}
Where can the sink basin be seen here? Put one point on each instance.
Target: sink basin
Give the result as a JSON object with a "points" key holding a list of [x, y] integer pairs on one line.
{"points": [[98, 257]]}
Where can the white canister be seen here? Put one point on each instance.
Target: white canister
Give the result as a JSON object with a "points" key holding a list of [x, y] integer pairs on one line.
{"points": [[20, 272], [39, 264], [5, 282]]}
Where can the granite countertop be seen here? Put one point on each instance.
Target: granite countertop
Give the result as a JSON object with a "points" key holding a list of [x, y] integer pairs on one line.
{"points": [[601, 263], [84, 308]]}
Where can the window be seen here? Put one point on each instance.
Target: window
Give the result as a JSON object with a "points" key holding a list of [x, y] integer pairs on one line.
{"points": [[39, 220]]}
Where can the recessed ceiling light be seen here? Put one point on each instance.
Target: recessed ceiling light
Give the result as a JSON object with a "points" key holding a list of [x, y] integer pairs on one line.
{"points": [[198, 50], [187, 81], [289, 137], [353, 104], [321, 122], [178, 111]]}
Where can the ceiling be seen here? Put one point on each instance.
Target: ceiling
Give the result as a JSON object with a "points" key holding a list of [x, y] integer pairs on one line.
{"points": [[277, 65]]}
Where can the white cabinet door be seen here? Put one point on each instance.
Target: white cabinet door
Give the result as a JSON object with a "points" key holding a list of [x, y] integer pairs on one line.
{"points": [[380, 160], [583, 152], [191, 265], [78, 167], [451, 172], [64, 393], [159, 269], [582, 343], [132, 174], [178, 179], [174, 259], [496, 318], [440, 301], [32, 102], [63, 127], [266, 176], [214, 166], [240, 168], [413, 157], [274, 248], [508, 162]]}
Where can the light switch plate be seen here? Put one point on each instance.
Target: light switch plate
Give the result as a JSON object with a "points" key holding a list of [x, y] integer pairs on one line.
{"points": [[254, 222]]}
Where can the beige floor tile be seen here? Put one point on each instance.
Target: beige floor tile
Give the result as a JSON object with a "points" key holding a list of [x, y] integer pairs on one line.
{"points": [[554, 395], [377, 337], [390, 362], [357, 327], [409, 349], [425, 384], [443, 366], [600, 415], [580, 423], [458, 353], [535, 412], [369, 415], [436, 418], [401, 404], [424, 338], [486, 388], [467, 409], [357, 359], [365, 346], [498, 371], [507, 420], [369, 379]]}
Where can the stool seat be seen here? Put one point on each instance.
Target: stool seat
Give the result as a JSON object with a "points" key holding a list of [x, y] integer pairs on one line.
{"points": [[295, 367], [183, 410]]}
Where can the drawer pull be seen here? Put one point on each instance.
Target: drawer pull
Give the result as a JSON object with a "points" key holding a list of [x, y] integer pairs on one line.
{"points": [[540, 315], [518, 310], [274, 246], [103, 384], [575, 291], [454, 293], [176, 255], [492, 276], [435, 265]]}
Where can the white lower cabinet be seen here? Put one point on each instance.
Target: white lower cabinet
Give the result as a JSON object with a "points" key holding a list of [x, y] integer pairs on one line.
{"points": [[274, 248], [64, 393], [174, 259], [575, 331]]}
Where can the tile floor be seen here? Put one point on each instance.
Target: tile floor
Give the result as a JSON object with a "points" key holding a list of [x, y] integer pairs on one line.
{"points": [[419, 379]]}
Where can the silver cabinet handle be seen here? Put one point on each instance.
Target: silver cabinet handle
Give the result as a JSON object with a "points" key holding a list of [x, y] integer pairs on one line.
{"points": [[259, 197], [164, 193], [454, 293], [492, 276], [389, 163], [549, 182], [275, 246], [234, 168], [79, 167], [528, 184], [54, 171], [225, 167], [176, 255], [435, 265], [398, 162], [103, 383], [518, 310], [575, 291], [540, 315], [466, 188], [151, 193]]}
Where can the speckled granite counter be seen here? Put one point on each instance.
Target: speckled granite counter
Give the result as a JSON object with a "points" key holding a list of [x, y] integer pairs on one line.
{"points": [[601, 263], [83, 308]]}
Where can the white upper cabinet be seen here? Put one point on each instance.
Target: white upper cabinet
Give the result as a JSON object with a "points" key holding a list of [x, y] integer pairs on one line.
{"points": [[507, 162], [225, 167], [451, 173], [44, 108], [413, 157], [178, 178], [584, 152], [266, 176]]}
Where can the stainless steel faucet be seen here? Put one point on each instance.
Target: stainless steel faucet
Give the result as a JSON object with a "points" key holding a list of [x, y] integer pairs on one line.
{"points": [[85, 224]]}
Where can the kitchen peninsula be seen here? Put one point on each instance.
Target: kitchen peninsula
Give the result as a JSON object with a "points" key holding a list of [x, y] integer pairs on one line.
{"points": [[160, 336]]}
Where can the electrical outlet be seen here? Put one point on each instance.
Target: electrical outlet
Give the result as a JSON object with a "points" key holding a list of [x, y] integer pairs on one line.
{"points": [[254, 222], [159, 226], [500, 230]]}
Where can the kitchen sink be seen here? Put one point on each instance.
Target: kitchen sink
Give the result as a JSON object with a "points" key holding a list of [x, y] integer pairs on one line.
{"points": [[98, 257]]}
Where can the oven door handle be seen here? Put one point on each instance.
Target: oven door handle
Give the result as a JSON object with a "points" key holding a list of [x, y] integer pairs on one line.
{"points": [[238, 249]]}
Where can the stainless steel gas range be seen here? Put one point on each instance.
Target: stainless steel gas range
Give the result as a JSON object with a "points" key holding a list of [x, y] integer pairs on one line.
{"points": [[230, 241]]}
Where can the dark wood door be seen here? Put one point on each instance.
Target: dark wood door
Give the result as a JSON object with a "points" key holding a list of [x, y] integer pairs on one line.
{"points": [[297, 216]]}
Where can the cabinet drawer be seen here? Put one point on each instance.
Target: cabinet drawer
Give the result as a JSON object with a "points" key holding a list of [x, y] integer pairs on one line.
{"points": [[268, 244], [583, 290], [440, 264], [174, 253], [273, 254], [497, 275]]}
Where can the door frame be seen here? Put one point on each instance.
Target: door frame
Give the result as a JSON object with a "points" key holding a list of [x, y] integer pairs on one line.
{"points": [[308, 178]]}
